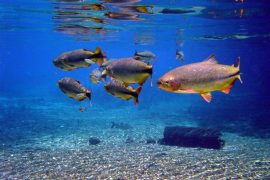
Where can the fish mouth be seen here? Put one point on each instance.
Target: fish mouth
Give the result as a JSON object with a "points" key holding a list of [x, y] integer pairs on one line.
{"points": [[160, 84]]}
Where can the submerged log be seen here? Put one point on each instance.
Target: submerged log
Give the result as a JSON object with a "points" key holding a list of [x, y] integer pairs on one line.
{"points": [[192, 137]]}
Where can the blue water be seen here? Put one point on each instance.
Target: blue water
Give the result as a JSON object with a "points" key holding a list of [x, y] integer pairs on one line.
{"points": [[33, 33]]}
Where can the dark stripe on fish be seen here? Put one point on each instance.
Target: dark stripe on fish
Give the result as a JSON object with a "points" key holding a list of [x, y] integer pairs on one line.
{"points": [[229, 76]]}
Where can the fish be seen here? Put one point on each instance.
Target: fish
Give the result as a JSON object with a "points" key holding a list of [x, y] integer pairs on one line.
{"points": [[144, 56], [129, 71], [176, 11], [122, 15], [82, 109], [79, 58], [201, 78], [179, 55], [145, 9], [118, 89], [96, 76], [73, 89]]}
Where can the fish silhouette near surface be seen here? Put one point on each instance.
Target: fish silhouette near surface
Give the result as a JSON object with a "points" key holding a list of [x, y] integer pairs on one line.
{"points": [[118, 89], [79, 58], [73, 89], [129, 70], [201, 78], [145, 56], [122, 15]]}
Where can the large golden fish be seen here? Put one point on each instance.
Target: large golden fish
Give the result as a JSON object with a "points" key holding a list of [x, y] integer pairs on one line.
{"points": [[201, 78]]}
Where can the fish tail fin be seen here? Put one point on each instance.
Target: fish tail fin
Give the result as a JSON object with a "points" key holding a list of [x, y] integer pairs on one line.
{"points": [[238, 67], [239, 77], [137, 91], [136, 101], [98, 50], [88, 94]]}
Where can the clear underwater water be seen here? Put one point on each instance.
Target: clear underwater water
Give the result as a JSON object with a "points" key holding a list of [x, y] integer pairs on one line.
{"points": [[44, 136]]}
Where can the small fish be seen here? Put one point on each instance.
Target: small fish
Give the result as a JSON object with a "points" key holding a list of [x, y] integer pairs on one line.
{"points": [[96, 76], [145, 9], [118, 89], [79, 58], [129, 71], [73, 89], [180, 55], [201, 78], [82, 109], [144, 56]]}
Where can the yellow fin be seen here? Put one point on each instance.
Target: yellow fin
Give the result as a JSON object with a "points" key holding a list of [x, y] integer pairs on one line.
{"points": [[239, 77], [228, 88], [207, 97], [98, 50]]}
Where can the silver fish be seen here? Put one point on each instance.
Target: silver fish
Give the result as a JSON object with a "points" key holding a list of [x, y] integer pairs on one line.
{"points": [[96, 76], [144, 56], [180, 55]]}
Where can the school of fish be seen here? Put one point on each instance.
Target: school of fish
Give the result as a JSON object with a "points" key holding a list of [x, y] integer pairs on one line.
{"points": [[125, 73]]}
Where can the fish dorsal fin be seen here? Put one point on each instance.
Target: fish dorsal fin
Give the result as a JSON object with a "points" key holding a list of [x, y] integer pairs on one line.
{"points": [[211, 59], [207, 97]]}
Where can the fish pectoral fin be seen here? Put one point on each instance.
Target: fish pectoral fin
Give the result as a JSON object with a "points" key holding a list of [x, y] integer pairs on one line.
{"points": [[80, 96], [104, 73], [89, 61], [207, 97]]}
